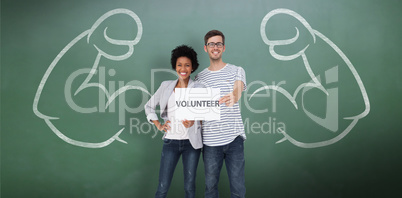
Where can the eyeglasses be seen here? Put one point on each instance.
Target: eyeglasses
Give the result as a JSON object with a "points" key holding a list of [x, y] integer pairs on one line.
{"points": [[211, 45]]}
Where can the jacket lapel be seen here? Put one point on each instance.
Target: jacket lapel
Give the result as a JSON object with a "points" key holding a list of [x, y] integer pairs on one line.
{"points": [[190, 83], [168, 91], [166, 95]]}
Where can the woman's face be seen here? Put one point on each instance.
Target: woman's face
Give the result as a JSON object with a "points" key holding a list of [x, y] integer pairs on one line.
{"points": [[184, 67]]}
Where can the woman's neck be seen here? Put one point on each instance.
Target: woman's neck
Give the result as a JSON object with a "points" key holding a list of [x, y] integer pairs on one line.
{"points": [[182, 83]]}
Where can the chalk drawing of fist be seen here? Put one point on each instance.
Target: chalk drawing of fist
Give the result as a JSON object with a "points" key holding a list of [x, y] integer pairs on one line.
{"points": [[73, 97], [325, 65]]}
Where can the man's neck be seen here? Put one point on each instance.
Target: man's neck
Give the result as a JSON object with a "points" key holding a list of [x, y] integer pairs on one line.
{"points": [[216, 65]]}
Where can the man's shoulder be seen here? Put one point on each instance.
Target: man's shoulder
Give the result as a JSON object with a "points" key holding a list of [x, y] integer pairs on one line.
{"points": [[201, 73], [205, 70], [233, 67]]}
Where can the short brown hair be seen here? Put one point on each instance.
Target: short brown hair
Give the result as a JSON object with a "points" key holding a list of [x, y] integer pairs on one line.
{"points": [[213, 33]]}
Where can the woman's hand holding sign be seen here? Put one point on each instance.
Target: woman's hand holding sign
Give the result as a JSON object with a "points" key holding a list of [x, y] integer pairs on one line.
{"points": [[188, 123]]}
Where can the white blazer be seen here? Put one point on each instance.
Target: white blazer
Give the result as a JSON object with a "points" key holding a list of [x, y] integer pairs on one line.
{"points": [[161, 98]]}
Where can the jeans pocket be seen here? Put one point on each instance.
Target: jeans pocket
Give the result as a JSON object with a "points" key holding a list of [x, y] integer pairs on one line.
{"points": [[167, 141]]}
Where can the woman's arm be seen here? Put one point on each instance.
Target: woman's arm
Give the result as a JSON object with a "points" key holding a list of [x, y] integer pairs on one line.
{"points": [[150, 106], [165, 127]]}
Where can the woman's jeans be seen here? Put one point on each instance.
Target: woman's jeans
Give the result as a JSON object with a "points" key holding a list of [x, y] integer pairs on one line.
{"points": [[171, 152]]}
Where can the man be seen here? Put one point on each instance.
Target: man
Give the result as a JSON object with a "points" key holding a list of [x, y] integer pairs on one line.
{"points": [[223, 139]]}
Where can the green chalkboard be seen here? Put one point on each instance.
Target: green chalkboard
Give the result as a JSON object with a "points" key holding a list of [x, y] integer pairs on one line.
{"points": [[321, 111]]}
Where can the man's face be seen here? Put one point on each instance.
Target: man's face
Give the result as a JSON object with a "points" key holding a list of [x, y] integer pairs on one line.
{"points": [[214, 52]]}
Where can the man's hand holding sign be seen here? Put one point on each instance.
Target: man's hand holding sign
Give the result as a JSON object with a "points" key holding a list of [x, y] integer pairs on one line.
{"points": [[231, 98]]}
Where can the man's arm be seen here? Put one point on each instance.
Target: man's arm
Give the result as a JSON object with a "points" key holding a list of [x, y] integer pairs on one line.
{"points": [[238, 88], [233, 97]]}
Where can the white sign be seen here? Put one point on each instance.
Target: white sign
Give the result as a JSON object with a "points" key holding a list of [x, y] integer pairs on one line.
{"points": [[197, 104]]}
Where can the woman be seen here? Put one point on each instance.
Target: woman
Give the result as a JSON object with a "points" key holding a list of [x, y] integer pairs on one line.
{"points": [[182, 137]]}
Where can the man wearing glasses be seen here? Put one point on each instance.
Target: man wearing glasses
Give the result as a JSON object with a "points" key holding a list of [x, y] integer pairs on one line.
{"points": [[223, 139]]}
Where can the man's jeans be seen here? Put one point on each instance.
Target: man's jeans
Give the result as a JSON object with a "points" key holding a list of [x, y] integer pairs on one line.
{"points": [[233, 154], [171, 151]]}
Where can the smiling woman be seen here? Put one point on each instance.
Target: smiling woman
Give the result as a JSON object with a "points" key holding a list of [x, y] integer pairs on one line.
{"points": [[182, 137], [183, 69]]}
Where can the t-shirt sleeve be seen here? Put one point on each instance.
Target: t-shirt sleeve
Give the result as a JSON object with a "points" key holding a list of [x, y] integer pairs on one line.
{"points": [[241, 75]]}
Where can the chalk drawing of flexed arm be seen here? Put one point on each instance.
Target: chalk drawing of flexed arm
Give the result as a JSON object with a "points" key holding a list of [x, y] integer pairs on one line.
{"points": [[88, 82], [314, 82]]}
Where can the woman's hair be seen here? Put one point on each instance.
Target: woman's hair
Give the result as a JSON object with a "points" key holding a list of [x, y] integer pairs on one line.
{"points": [[186, 51]]}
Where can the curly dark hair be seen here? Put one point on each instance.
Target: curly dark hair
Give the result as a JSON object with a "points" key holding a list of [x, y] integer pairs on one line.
{"points": [[186, 51]]}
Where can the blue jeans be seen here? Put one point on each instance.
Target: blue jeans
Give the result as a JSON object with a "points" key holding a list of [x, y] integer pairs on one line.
{"points": [[171, 152], [233, 154]]}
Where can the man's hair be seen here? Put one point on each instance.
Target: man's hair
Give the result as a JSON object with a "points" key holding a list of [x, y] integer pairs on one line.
{"points": [[184, 51], [213, 33]]}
